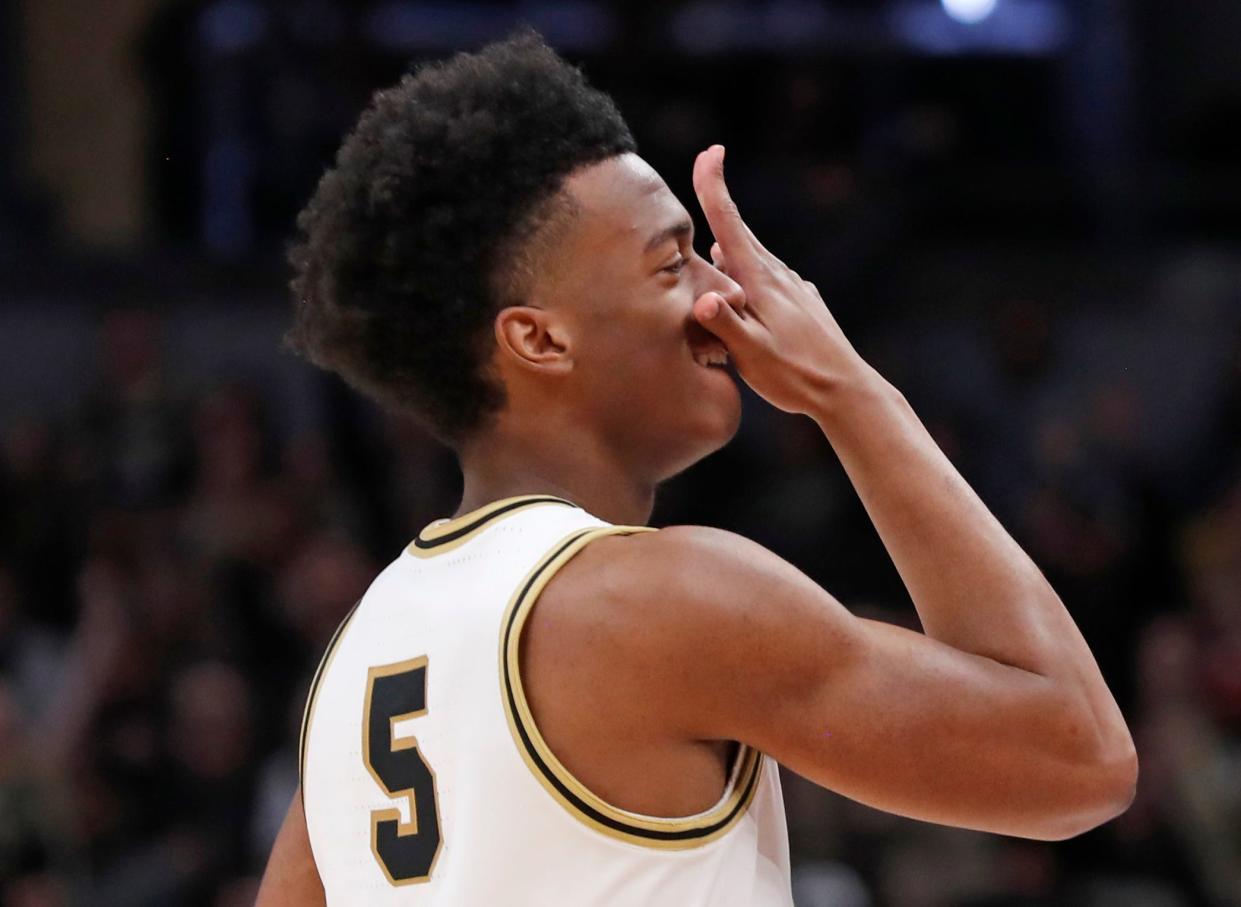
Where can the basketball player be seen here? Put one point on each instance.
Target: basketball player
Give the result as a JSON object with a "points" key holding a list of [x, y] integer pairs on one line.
{"points": [[542, 701]]}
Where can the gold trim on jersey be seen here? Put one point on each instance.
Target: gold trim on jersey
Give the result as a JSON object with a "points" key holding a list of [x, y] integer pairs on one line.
{"points": [[312, 694], [667, 833], [438, 538]]}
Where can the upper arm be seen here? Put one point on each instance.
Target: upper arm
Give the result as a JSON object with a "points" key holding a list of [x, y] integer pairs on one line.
{"points": [[729, 641], [291, 878]]}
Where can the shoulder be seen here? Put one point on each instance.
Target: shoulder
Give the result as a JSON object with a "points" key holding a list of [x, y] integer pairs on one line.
{"points": [[671, 615], [705, 572], [673, 557], [625, 577]]}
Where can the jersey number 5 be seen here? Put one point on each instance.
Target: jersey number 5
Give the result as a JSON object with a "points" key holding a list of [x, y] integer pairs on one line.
{"points": [[406, 851]]}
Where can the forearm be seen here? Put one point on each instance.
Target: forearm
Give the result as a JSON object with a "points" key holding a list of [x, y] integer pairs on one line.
{"points": [[973, 586]]}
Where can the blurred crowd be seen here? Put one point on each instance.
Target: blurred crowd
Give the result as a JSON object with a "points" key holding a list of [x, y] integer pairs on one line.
{"points": [[169, 575], [1022, 245], [171, 567]]}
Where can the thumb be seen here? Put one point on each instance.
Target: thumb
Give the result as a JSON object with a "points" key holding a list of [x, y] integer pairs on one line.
{"points": [[717, 316]]}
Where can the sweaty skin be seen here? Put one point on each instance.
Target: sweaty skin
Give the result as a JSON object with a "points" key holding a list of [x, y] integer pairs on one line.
{"points": [[647, 656]]}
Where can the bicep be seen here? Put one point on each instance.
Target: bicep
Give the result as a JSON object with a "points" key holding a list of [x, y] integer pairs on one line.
{"points": [[909, 725], [291, 878], [883, 715]]}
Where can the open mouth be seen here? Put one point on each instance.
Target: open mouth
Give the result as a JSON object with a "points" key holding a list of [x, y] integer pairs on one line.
{"points": [[711, 357], [705, 347]]}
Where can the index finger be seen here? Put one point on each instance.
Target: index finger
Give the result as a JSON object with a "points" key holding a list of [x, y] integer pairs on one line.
{"points": [[730, 231]]}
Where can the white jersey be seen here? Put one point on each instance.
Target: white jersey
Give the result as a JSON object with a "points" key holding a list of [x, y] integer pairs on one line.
{"points": [[426, 782]]}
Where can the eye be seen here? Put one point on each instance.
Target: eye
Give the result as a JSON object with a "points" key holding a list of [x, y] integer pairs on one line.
{"points": [[676, 267]]}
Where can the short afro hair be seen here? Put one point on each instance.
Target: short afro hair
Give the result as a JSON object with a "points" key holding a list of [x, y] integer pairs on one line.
{"points": [[422, 230]]}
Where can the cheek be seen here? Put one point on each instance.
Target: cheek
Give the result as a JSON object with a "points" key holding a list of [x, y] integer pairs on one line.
{"points": [[635, 340]]}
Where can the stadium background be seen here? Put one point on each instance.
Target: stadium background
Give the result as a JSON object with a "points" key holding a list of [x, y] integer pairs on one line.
{"points": [[1026, 213]]}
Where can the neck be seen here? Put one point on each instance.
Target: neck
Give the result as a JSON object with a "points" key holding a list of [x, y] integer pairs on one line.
{"points": [[505, 463]]}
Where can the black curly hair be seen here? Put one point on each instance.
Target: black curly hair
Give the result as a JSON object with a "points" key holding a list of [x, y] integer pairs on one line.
{"points": [[432, 220]]}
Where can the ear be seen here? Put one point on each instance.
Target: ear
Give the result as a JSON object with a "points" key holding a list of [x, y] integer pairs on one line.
{"points": [[533, 339]]}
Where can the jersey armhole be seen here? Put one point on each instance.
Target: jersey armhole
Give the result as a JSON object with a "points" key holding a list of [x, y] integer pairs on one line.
{"points": [[308, 712], [664, 833]]}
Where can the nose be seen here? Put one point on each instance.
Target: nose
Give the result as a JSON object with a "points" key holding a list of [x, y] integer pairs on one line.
{"points": [[715, 280]]}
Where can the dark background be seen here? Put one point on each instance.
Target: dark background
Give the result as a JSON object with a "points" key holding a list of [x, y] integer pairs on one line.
{"points": [[1031, 224]]}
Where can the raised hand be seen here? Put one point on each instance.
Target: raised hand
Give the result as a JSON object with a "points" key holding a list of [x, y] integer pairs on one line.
{"points": [[783, 340]]}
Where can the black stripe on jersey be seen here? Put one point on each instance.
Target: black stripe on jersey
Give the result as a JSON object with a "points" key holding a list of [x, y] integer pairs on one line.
{"points": [[314, 691], [426, 544], [747, 784]]}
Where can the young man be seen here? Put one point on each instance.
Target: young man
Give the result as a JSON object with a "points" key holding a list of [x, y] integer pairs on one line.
{"points": [[491, 255]]}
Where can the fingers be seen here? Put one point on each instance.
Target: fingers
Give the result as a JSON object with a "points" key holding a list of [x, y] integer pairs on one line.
{"points": [[714, 313], [729, 230], [718, 259]]}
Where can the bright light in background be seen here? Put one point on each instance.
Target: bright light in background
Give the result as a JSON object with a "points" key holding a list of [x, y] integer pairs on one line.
{"points": [[969, 11]]}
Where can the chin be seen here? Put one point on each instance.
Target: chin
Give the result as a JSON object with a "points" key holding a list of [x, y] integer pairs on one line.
{"points": [[730, 420], [710, 427]]}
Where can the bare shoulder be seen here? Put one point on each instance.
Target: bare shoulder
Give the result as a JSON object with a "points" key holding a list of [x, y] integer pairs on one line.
{"points": [[649, 590], [620, 583], [700, 634], [667, 616], [698, 565]]}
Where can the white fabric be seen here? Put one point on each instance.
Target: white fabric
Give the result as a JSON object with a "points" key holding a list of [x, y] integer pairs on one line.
{"points": [[505, 839]]}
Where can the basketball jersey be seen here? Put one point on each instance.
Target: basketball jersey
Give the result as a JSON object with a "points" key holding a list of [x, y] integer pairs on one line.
{"points": [[425, 780]]}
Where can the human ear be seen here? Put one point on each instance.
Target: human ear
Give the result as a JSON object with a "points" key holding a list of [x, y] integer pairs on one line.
{"points": [[533, 339]]}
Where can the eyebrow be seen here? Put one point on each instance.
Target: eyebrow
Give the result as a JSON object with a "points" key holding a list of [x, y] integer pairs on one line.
{"points": [[676, 231]]}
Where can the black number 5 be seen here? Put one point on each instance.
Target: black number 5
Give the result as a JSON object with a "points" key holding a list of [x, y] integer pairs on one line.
{"points": [[406, 851]]}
